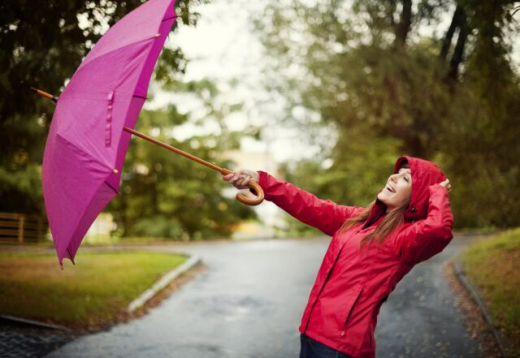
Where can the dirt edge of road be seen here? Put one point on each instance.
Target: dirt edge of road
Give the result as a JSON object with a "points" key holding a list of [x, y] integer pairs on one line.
{"points": [[475, 323]]}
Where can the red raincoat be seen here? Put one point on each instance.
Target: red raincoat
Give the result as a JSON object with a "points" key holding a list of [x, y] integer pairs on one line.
{"points": [[353, 282]]}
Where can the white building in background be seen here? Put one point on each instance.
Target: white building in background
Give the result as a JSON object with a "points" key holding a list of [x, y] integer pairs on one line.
{"points": [[101, 229], [268, 213]]}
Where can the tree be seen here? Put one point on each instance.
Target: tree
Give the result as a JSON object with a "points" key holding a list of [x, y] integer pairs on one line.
{"points": [[167, 195], [367, 69], [42, 47], [162, 194]]}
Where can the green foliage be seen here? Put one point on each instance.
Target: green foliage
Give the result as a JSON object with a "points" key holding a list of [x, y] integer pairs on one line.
{"points": [[385, 89], [483, 164], [167, 195], [21, 189], [158, 226]]}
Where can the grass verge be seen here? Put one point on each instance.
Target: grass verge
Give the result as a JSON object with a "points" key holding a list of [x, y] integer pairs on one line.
{"points": [[94, 292], [492, 265]]}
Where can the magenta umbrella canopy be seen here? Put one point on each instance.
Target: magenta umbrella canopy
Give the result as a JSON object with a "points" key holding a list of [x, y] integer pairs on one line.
{"points": [[86, 145]]}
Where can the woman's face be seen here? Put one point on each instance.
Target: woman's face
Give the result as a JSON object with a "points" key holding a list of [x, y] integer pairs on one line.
{"points": [[398, 189]]}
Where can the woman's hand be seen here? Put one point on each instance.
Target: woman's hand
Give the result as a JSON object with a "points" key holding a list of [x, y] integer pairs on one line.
{"points": [[241, 177], [446, 184]]}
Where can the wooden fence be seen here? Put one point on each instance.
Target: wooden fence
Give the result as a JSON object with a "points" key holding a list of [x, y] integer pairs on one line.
{"points": [[20, 228]]}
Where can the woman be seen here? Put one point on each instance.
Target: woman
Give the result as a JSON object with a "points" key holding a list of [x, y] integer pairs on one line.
{"points": [[370, 252]]}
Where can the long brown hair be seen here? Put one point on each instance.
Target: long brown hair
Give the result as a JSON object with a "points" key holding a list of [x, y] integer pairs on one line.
{"points": [[392, 221]]}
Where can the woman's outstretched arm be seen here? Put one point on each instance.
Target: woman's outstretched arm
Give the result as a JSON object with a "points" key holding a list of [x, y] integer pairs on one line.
{"points": [[324, 215]]}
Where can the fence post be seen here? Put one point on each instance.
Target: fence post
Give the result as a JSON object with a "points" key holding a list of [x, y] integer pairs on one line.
{"points": [[20, 228]]}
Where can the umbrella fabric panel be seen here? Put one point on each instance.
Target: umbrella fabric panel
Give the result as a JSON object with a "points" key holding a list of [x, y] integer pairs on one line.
{"points": [[71, 182], [97, 98], [138, 25], [104, 195]]}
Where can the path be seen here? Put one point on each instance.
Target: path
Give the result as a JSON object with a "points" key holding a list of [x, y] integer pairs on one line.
{"points": [[249, 301]]}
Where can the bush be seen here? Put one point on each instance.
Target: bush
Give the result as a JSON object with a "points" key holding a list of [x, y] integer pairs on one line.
{"points": [[159, 226]]}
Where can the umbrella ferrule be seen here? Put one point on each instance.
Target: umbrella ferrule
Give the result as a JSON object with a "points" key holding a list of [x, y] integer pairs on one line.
{"points": [[45, 94]]}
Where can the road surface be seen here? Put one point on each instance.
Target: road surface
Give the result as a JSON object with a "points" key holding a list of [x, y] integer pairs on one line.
{"points": [[249, 301]]}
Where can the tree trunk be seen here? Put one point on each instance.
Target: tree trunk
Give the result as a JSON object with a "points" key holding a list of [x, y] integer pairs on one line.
{"points": [[405, 22], [155, 193], [446, 43], [458, 53]]}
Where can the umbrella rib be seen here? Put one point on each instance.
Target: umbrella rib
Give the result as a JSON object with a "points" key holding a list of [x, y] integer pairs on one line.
{"points": [[111, 187], [70, 256], [171, 17]]}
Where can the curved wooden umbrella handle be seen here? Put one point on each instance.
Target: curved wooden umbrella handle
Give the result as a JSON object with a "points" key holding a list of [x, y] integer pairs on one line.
{"points": [[255, 189]]}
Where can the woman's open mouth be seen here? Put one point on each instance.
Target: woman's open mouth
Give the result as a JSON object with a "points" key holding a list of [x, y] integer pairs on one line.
{"points": [[390, 189]]}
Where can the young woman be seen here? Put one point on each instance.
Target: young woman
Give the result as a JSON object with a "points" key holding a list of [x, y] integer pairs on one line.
{"points": [[370, 252]]}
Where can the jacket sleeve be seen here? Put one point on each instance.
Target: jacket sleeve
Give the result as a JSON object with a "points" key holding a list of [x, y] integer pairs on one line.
{"points": [[426, 238], [324, 215]]}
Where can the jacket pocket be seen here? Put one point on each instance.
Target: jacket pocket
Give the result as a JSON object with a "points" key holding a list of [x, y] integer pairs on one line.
{"points": [[349, 300]]}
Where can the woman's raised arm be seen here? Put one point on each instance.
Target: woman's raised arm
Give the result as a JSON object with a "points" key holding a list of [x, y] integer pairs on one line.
{"points": [[428, 237]]}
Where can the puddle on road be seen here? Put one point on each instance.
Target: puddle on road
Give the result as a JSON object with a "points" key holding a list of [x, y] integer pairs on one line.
{"points": [[232, 308]]}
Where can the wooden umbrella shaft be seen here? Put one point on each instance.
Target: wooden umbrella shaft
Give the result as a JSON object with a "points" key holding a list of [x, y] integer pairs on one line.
{"points": [[150, 139], [223, 171], [254, 187]]}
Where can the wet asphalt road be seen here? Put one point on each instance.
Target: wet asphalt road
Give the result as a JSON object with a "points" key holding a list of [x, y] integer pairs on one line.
{"points": [[249, 301]]}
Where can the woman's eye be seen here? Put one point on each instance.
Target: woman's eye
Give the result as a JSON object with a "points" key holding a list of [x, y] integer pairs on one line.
{"points": [[406, 179]]}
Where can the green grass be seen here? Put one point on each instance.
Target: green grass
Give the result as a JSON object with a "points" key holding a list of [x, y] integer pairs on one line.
{"points": [[97, 289], [492, 265]]}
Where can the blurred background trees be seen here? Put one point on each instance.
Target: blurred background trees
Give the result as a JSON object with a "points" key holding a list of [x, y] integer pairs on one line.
{"points": [[366, 80], [166, 195], [427, 78]]}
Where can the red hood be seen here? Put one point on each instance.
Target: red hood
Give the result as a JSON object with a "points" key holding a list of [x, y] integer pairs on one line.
{"points": [[424, 174]]}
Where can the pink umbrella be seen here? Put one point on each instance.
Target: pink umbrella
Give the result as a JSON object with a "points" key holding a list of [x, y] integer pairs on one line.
{"points": [[95, 114]]}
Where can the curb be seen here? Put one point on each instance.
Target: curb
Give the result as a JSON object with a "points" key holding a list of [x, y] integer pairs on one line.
{"points": [[461, 275], [30, 322], [162, 283]]}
